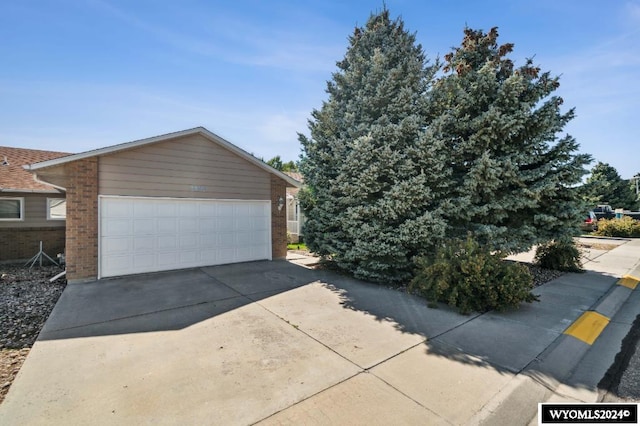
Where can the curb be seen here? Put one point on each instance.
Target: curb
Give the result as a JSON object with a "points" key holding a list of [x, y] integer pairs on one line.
{"points": [[540, 380]]}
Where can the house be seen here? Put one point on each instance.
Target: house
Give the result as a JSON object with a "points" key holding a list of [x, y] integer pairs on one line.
{"points": [[295, 216], [30, 211], [180, 200]]}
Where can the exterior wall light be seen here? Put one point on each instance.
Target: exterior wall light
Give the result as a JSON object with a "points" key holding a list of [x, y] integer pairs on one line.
{"points": [[280, 203]]}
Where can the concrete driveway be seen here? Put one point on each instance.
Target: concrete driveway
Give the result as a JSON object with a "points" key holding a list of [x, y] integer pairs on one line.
{"points": [[233, 344], [277, 343]]}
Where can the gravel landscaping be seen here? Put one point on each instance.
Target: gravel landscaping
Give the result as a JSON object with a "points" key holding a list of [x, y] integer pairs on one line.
{"points": [[26, 300]]}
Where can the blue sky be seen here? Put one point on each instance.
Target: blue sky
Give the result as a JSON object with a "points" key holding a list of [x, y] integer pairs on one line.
{"points": [[82, 74]]}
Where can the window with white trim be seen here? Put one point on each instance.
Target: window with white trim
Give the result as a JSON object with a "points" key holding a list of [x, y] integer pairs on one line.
{"points": [[56, 209], [11, 208]]}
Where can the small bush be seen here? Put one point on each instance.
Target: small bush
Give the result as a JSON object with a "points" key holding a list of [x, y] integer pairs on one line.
{"points": [[624, 227], [559, 256], [471, 278]]}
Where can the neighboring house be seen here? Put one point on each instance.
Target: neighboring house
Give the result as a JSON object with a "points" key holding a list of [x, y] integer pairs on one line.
{"points": [[30, 211], [295, 216], [180, 200]]}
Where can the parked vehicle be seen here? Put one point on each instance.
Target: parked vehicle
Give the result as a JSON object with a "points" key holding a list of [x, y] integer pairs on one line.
{"points": [[604, 211], [590, 223]]}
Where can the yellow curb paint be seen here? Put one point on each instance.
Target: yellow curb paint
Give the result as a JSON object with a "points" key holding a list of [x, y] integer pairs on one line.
{"points": [[629, 281], [588, 327]]}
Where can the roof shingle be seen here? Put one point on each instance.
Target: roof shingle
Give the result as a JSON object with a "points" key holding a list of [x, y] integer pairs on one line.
{"points": [[14, 178]]}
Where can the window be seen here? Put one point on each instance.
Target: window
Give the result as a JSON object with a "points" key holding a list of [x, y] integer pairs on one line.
{"points": [[56, 209], [11, 208]]}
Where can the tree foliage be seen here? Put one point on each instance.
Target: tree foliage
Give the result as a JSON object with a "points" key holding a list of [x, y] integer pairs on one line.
{"points": [[512, 179], [397, 161], [276, 163], [372, 177], [605, 186]]}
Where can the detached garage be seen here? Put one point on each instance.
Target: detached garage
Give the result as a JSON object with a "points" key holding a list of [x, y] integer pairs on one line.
{"points": [[181, 200]]}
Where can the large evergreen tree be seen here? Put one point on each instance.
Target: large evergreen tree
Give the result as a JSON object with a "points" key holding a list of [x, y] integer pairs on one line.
{"points": [[513, 180], [605, 186], [371, 178]]}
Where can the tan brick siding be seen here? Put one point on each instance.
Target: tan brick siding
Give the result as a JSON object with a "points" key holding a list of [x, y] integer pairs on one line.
{"points": [[24, 243], [278, 219], [82, 219]]}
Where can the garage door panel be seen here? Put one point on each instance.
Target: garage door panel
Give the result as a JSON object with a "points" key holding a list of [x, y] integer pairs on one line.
{"points": [[259, 251], [226, 239], [244, 223], [258, 224], [188, 241], [114, 227], [166, 209], [118, 209], [144, 244], [226, 255], [144, 226], [144, 262], [207, 225], [169, 259], [244, 239], [141, 210], [189, 209], [209, 256], [208, 241], [117, 245], [225, 223], [118, 263], [188, 225], [207, 209], [150, 234], [188, 257], [167, 225]]}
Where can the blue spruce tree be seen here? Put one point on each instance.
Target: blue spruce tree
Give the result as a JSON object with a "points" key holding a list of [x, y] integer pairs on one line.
{"points": [[372, 177], [513, 180]]}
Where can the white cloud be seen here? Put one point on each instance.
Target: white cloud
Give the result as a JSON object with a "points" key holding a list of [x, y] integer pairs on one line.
{"points": [[280, 127], [632, 11], [242, 41]]}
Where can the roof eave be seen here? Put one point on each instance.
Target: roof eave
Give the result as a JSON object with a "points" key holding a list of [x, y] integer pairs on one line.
{"points": [[31, 191], [129, 145]]}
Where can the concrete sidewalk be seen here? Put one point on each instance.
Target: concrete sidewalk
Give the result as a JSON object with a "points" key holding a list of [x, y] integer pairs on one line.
{"points": [[279, 343]]}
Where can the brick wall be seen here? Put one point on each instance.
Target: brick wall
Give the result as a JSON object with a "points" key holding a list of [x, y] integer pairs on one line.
{"points": [[23, 243], [82, 219], [278, 219]]}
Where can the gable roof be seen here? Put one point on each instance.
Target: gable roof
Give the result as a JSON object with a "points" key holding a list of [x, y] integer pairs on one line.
{"points": [[13, 176], [135, 144]]}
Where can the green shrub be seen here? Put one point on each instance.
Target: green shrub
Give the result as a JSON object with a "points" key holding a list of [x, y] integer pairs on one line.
{"points": [[559, 256], [471, 278], [624, 227]]}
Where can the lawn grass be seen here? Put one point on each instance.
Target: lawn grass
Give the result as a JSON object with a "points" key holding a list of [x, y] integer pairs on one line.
{"points": [[297, 246]]}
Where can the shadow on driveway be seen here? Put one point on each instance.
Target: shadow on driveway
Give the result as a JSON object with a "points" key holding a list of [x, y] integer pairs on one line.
{"points": [[168, 300], [505, 342]]}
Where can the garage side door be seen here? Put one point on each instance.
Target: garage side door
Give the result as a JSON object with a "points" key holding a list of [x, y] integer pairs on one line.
{"points": [[154, 234]]}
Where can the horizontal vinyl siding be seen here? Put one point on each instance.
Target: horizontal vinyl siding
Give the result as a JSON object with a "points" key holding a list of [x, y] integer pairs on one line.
{"points": [[173, 168], [35, 212]]}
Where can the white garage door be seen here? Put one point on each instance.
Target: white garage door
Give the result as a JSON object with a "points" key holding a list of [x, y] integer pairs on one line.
{"points": [[158, 234]]}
